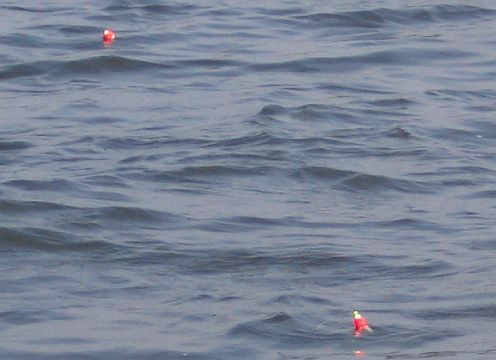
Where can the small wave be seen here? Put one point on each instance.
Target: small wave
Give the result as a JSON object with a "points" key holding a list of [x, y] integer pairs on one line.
{"points": [[376, 18], [282, 328], [393, 103], [235, 261], [428, 270], [43, 185], [200, 174], [352, 180], [152, 9], [23, 70], [127, 143], [88, 66], [323, 173], [468, 312], [445, 354], [399, 133], [25, 317], [78, 351], [44, 9], [126, 215], [12, 239], [294, 298], [256, 139], [14, 145], [485, 194], [98, 64], [367, 182], [338, 64], [413, 224], [19, 206]]}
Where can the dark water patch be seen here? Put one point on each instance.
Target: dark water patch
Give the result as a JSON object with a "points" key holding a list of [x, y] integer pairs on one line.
{"points": [[46, 9], [13, 239], [239, 224], [26, 317], [320, 173], [332, 64], [430, 269], [271, 110], [167, 9], [125, 353], [487, 130], [424, 337], [326, 114], [106, 181], [56, 185], [470, 312], [240, 261], [461, 94], [223, 12], [66, 30], [206, 173], [368, 89], [449, 171], [107, 64], [484, 194], [220, 68], [311, 112], [247, 224], [243, 157], [98, 120], [399, 133], [459, 137], [24, 70], [410, 223], [280, 12], [339, 64], [129, 143], [255, 139], [151, 9], [11, 206], [401, 103], [133, 214], [383, 17], [104, 196], [77, 29], [97, 65], [167, 258], [164, 177], [283, 329], [367, 182], [483, 245], [445, 354], [25, 41], [14, 145], [301, 299]]}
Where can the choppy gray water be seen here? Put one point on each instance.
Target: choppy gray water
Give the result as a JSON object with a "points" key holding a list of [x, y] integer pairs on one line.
{"points": [[229, 180]]}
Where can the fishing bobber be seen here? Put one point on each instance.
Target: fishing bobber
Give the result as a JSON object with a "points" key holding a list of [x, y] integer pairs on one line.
{"points": [[361, 323], [109, 36]]}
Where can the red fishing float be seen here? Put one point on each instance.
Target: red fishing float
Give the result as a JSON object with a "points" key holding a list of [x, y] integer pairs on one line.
{"points": [[361, 323], [109, 36]]}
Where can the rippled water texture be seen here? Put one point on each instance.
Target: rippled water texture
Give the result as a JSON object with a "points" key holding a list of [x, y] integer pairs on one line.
{"points": [[229, 180]]}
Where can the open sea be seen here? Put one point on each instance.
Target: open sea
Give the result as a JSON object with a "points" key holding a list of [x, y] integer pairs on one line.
{"points": [[229, 180]]}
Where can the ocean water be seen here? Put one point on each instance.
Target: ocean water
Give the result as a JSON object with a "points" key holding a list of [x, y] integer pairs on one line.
{"points": [[230, 179]]}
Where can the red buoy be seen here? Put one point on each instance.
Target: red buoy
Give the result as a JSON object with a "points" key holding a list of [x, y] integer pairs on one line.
{"points": [[109, 36], [361, 323]]}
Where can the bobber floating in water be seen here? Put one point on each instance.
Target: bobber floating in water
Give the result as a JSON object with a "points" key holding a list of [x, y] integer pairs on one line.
{"points": [[361, 323], [109, 36]]}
